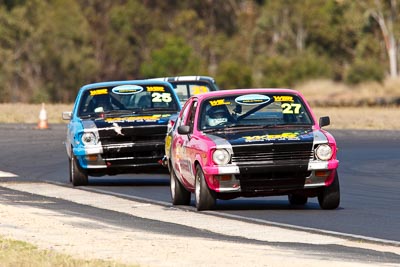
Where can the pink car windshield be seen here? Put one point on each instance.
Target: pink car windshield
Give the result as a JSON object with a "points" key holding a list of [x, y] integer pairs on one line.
{"points": [[253, 110]]}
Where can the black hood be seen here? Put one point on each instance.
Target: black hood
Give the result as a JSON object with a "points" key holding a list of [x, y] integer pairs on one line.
{"points": [[122, 129]]}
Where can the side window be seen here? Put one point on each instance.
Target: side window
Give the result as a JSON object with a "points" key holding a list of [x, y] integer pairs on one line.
{"points": [[181, 91], [192, 115], [84, 104], [188, 113], [185, 111]]}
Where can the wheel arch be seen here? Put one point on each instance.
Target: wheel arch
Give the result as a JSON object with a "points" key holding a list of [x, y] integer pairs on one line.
{"points": [[208, 178]]}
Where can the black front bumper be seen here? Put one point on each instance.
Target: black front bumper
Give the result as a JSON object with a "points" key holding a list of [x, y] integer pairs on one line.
{"points": [[137, 149], [272, 168]]}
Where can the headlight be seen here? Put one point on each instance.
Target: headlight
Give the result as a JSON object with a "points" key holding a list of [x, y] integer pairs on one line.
{"points": [[89, 139], [323, 152], [221, 157]]}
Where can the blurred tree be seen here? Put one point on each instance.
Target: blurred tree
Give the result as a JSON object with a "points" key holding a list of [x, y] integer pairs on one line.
{"points": [[49, 48], [171, 60], [66, 55], [287, 28], [39, 58], [120, 36], [385, 13], [9, 4], [231, 74], [8, 41], [280, 71], [362, 71], [220, 19]]}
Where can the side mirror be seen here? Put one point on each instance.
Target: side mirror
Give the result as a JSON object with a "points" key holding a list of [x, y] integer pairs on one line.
{"points": [[184, 129], [324, 121], [66, 115]]}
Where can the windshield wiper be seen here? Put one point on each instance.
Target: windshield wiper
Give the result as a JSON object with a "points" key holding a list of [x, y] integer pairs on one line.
{"points": [[239, 127], [86, 116], [119, 112], [159, 109], [209, 130], [229, 127]]}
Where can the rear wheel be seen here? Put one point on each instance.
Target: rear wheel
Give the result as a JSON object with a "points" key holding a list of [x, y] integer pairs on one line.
{"points": [[205, 198], [329, 197], [77, 175], [297, 199], [179, 195]]}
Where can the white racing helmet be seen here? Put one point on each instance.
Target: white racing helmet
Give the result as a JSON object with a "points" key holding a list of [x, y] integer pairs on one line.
{"points": [[216, 115]]}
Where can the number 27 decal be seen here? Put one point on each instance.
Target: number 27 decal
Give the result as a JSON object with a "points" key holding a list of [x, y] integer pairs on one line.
{"points": [[161, 97], [290, 108]]}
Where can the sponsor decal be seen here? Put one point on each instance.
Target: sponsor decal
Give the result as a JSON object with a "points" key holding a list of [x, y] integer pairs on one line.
{"points": [[198, 89], [168, 140], [127, 89], [155, 88], [253, 99], [219, 102], [103, 91], [178, 152], [284, 98], [269, 137], [150, 118]]}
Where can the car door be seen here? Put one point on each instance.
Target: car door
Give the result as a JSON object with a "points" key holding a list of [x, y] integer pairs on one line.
{"points": [[177, 153], [181, 145], [188, 146]]}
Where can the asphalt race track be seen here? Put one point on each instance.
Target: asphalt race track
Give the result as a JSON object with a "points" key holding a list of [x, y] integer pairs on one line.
{"points": [[368, 172]]}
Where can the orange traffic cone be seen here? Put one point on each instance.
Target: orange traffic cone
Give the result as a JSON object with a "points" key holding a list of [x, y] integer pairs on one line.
{"points": [[42, 124]]}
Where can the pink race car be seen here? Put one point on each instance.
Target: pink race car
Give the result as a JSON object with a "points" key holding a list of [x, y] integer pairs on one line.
{"points": [[249, 143]]}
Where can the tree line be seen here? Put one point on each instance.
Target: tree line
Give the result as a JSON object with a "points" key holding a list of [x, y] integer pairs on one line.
{"points": [[49, 48]]}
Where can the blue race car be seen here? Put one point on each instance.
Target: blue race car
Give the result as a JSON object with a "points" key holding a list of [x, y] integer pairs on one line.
{"points": [[119, 127]]}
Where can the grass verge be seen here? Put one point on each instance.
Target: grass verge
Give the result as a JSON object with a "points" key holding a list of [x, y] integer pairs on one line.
{"points": [[17, 253]]}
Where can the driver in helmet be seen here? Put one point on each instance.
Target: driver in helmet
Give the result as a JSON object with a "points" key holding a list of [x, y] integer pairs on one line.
{"points": [[102, 103], [217, 116]]}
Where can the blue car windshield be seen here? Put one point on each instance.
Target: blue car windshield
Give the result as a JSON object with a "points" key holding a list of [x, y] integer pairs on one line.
{"points": [[117, 99], [251, 110]]}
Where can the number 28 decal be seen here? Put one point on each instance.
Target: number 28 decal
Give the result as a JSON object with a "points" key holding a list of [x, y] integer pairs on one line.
{"points": [[290, 108], [199, 89], [161, 97]]}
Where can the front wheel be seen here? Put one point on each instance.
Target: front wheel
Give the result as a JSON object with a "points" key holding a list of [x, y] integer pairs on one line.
{"points": [[329, 197], [179, 195], [77, 175], [205, 198]]}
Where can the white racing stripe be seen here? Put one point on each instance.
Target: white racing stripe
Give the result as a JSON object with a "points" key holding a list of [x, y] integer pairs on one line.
{"points": [[7, 174]]}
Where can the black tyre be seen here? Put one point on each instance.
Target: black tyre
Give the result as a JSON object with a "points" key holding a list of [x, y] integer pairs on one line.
{"points": [[179, 195], [297, 199], [77, 175], [329, 197], [205, 198]]}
